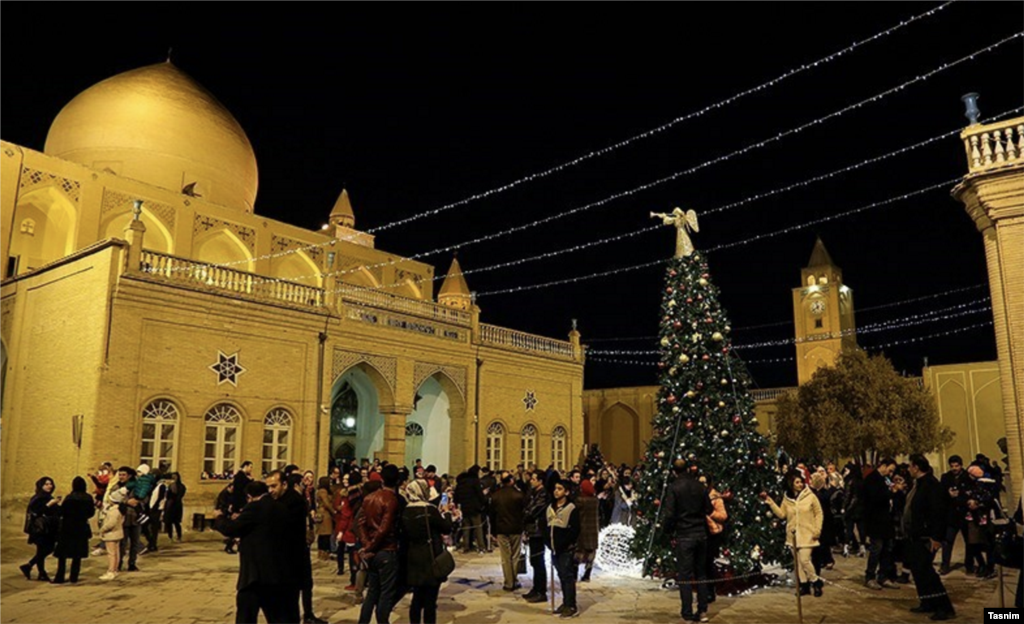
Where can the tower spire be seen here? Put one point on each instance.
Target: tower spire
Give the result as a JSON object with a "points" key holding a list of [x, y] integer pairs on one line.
{"points": [[454, 291]]}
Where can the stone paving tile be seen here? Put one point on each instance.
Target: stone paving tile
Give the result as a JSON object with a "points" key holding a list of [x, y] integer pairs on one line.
{"points": [[194, 582]]}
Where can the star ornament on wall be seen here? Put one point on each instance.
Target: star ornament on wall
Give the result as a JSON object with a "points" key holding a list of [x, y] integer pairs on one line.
{"points": [[227, 368], [530, 400]]}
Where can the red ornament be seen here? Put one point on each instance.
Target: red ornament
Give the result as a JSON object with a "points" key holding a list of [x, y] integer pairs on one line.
{"points": [[688, 300], [657, 502], [672, 272], [661, 365], [705, 357], [705, 275], [671, 399], [708, 320], [689, 425], [700, 385], [726, 552], [677, 324], [736, 420], [669, 290], [760, 462], [700, 297]]}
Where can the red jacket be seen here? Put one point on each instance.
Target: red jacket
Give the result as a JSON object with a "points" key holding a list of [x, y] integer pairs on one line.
{"points": [[378, 524], [344, 520]]}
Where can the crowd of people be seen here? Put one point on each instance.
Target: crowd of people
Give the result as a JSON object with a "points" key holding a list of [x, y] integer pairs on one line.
{"points": [[394, 528]]}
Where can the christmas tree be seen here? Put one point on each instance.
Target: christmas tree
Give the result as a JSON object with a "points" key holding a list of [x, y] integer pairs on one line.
{"points": [[705, 417]]}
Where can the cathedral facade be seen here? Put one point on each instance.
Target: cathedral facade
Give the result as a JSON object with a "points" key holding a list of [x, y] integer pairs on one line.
{"points": [[150, 315]]}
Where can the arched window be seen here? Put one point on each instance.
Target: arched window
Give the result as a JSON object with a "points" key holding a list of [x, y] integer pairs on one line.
{"points": [[277, 435], [159, 428], [558, 448], [495, 445], [413, 430], [528, 445], [28, 227], [220, 452]]}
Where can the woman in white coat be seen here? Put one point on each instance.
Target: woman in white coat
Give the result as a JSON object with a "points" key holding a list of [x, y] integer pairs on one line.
{"points": [[803, 515]]}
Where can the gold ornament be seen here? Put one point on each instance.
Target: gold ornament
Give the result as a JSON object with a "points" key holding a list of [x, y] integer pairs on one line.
{"points": [[682, 222], [721, 404], [672, 371], [702, 282], [671, 303], [684, 358], [665, 342], [690, 394], [696, 337], [717, 336]]}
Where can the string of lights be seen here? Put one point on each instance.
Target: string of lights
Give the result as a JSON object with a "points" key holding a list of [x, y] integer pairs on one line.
{"points": [[663, 127], [654, 363], [957, 310], [649, 185], [790, 322], [904, 341], [750, 199], [792, 228]]}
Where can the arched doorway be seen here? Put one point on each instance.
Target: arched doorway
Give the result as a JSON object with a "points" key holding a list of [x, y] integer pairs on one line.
{"points": [[433, 414], [620, 434], [357, 426]]}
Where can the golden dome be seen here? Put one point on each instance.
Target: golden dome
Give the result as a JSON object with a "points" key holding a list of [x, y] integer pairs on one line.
{"points": [[158, 125]]}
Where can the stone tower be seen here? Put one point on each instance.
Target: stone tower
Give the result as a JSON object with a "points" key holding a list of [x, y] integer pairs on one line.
{"points": [[822, 314]]}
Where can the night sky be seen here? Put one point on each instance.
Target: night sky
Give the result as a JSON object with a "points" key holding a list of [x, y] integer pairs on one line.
{"points": [[411, 108]]}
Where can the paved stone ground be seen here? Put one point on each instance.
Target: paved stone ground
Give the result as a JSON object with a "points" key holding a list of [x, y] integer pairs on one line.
{"points": [[194, 582]]}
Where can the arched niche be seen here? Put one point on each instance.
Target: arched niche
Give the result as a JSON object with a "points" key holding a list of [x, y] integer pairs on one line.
{"points": [[53, 232], [158, 236], [222, 247], [296, 267]]}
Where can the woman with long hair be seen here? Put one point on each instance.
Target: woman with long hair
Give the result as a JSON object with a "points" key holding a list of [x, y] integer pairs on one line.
{"points": [[803, 515], [74, 534], [324, 518], [174, 507], [423, 527], [41, 523], [112, 529]]}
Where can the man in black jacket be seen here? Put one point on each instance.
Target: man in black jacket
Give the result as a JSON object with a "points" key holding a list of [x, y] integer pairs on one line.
{"points": [[263, 570], [924, 523], [879, 527], [469, 496], [685, 511], [954, 486], [536, 507], [292, 542], [507, 509]]}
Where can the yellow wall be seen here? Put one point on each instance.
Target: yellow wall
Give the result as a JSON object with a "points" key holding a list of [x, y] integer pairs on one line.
{"points": [[969, 400]]}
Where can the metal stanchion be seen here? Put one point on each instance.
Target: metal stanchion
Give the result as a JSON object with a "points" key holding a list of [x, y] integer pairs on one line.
{"points": [[1002, 594], [551, 575], [799, 598]]}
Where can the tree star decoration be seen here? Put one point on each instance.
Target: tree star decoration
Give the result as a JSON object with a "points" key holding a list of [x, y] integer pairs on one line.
{"points": [[682, 222], [227, 368], [613, 551], [530, 400]]}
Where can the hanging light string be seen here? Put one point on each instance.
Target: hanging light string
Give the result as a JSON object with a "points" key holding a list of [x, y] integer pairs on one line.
{"points": [[649, 185], [961, 309], [646, 229], [792, 228], [654, 131], [790, 322], [885, 345], [904, 341]]}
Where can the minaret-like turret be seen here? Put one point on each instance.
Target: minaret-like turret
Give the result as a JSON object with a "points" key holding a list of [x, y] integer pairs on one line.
{"points": [[454, 291]]}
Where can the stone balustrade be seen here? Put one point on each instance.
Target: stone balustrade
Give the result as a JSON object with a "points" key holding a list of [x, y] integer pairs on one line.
{"points": [[994, 145], [207, 276], [425, 309], [521, 341], [769, 394]]}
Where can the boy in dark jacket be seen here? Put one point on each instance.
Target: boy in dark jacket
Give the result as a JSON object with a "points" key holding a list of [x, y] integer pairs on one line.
{"points": [[563, 524]]}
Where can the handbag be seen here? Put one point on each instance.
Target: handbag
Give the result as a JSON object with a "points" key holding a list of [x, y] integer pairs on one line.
{"points": [[1008, 550], [521, 568], [443, 563]]}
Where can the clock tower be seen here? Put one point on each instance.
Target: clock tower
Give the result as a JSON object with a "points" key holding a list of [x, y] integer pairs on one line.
{"points": [[822, 314]]}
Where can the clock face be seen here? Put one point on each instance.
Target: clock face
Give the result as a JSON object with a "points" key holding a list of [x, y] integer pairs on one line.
{"points": [[817, 307]]}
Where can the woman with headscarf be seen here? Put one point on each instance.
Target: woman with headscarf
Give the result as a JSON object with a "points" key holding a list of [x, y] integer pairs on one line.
{"points": [[74, 534], [41, 523], [622, 512], [174, 507], [112, 529], [325, 511], [803, 515], [423, 527]]}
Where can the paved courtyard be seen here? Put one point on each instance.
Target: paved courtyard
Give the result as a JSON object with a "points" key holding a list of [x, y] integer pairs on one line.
{"points": [[194, 582]]}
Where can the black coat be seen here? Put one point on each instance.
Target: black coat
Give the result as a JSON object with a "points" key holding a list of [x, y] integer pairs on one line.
{"points": [[537, 502], [470, 496], [261, 558], [293, 539], [39, 505], [686, 508], [955, 507], [73, 538], [828, 519], [238, 495], [927, 506], [878, 507], [419, 558], [174, 508], [508, 507]]}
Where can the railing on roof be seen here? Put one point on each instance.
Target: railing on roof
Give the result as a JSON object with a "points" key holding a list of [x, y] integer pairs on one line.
{"points": [[416, 307], [522, 341], [995, 145], [769, 394], [207, 276]]}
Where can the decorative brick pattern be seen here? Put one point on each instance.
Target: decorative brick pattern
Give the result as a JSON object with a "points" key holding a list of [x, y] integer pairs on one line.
{"points": [[386, 366], [423, 370], [117, 202], [280, 243], [32, 179], [205, 224]]}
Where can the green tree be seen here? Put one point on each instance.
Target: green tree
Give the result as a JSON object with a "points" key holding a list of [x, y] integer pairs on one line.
{"points": [[706, 417], [860, 408]]}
